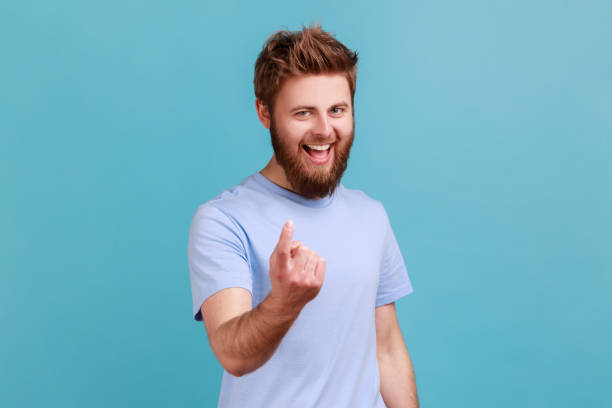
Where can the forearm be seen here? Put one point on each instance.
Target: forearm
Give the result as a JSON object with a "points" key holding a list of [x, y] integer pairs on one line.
{"points": [[246, 342], [397, 380]]}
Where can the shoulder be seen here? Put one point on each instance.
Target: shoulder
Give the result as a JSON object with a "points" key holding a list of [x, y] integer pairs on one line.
{"points": [[224, 205], [219, 218], [362, 199], [212, 226]]}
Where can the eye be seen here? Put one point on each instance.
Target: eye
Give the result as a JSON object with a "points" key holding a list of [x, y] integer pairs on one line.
{"points": [[338, 108], [300, 113]]}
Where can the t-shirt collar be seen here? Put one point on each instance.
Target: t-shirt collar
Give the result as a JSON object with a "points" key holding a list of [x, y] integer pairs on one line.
{"points": [[269, 185]]}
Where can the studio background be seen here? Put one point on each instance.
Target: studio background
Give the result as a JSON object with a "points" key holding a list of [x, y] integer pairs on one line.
{"points": [[484, 127]]}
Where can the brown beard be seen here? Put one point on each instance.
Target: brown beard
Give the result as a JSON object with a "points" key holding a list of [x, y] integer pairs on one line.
{"points": [[311, 183]]}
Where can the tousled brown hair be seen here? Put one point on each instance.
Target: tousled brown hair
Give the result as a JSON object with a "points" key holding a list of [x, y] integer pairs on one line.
{"points": [[293, 53]]}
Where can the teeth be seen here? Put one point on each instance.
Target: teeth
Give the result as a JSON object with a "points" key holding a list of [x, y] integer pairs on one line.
{"points": [[318, 147]]}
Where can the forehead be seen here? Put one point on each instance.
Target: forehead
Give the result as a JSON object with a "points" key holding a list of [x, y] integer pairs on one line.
{"points": [[316, 90]]}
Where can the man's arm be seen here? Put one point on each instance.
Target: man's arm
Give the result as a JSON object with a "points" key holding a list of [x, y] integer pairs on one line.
{"points": [[242, 338], [397, 380]]}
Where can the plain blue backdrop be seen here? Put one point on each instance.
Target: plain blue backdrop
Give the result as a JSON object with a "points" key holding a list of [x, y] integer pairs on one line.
{"points": [[483, 126]]}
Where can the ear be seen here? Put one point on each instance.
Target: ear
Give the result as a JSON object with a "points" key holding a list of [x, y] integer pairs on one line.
{"points": [[263, 113]]}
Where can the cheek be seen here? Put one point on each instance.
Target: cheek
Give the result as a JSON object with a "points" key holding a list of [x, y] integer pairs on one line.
{"points": [[294, 132], [345, 129], [299, 127]]}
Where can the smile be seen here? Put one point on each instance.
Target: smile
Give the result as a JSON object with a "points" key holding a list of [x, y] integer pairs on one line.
{"points": [[319, 154]]}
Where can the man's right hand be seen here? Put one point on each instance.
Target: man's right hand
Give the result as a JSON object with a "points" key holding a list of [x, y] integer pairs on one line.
{"points": [[246, 341], [296, 273]]}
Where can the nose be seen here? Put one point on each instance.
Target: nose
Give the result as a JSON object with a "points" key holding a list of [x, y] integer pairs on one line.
{"points": [[322, 126]]}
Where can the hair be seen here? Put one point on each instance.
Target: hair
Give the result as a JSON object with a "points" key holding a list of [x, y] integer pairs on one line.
{"points": [[293, 53]]}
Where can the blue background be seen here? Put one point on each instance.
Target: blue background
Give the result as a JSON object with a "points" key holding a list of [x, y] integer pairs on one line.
{"points": [[484, 127]]}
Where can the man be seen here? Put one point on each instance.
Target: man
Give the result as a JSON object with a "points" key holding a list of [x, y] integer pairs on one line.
{"points": [[294, 275]]}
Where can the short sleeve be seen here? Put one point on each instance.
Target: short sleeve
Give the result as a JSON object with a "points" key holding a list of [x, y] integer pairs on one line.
{"points": [[217, 256], [394, 281]]}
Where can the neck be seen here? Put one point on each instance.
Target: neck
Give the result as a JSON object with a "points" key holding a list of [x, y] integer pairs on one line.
{"points": [[275, 173]]}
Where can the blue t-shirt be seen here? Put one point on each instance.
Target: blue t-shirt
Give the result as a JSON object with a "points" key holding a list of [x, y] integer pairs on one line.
{"points": [[328, 356]]}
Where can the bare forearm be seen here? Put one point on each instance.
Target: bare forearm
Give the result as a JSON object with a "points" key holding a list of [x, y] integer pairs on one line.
{"points": [[246, 342], [397, 380]]}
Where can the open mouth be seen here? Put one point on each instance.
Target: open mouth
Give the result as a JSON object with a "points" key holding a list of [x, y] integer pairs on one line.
{"points": [[319, 154]]}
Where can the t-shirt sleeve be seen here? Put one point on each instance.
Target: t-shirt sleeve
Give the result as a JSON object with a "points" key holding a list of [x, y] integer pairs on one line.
{"points": [[216, 254], [394, 281]]}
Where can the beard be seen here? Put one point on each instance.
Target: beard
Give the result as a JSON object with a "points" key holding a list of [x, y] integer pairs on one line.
{"points": [[307, 179]]}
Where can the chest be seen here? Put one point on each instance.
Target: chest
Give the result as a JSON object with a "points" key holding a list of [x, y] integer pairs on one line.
{"points": [[352, 247]]}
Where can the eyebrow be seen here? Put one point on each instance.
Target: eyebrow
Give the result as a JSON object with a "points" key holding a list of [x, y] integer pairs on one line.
{"points": [[304, 107]]}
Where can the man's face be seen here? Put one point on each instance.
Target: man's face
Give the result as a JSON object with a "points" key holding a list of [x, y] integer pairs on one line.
{"points": [[313, 110]]}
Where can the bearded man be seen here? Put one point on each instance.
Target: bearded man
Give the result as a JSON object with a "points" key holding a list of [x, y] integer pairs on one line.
{"points": [[294, 275]]}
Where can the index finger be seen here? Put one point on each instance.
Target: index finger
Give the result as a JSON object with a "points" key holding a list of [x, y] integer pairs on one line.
{"points": [[284, 241]]}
